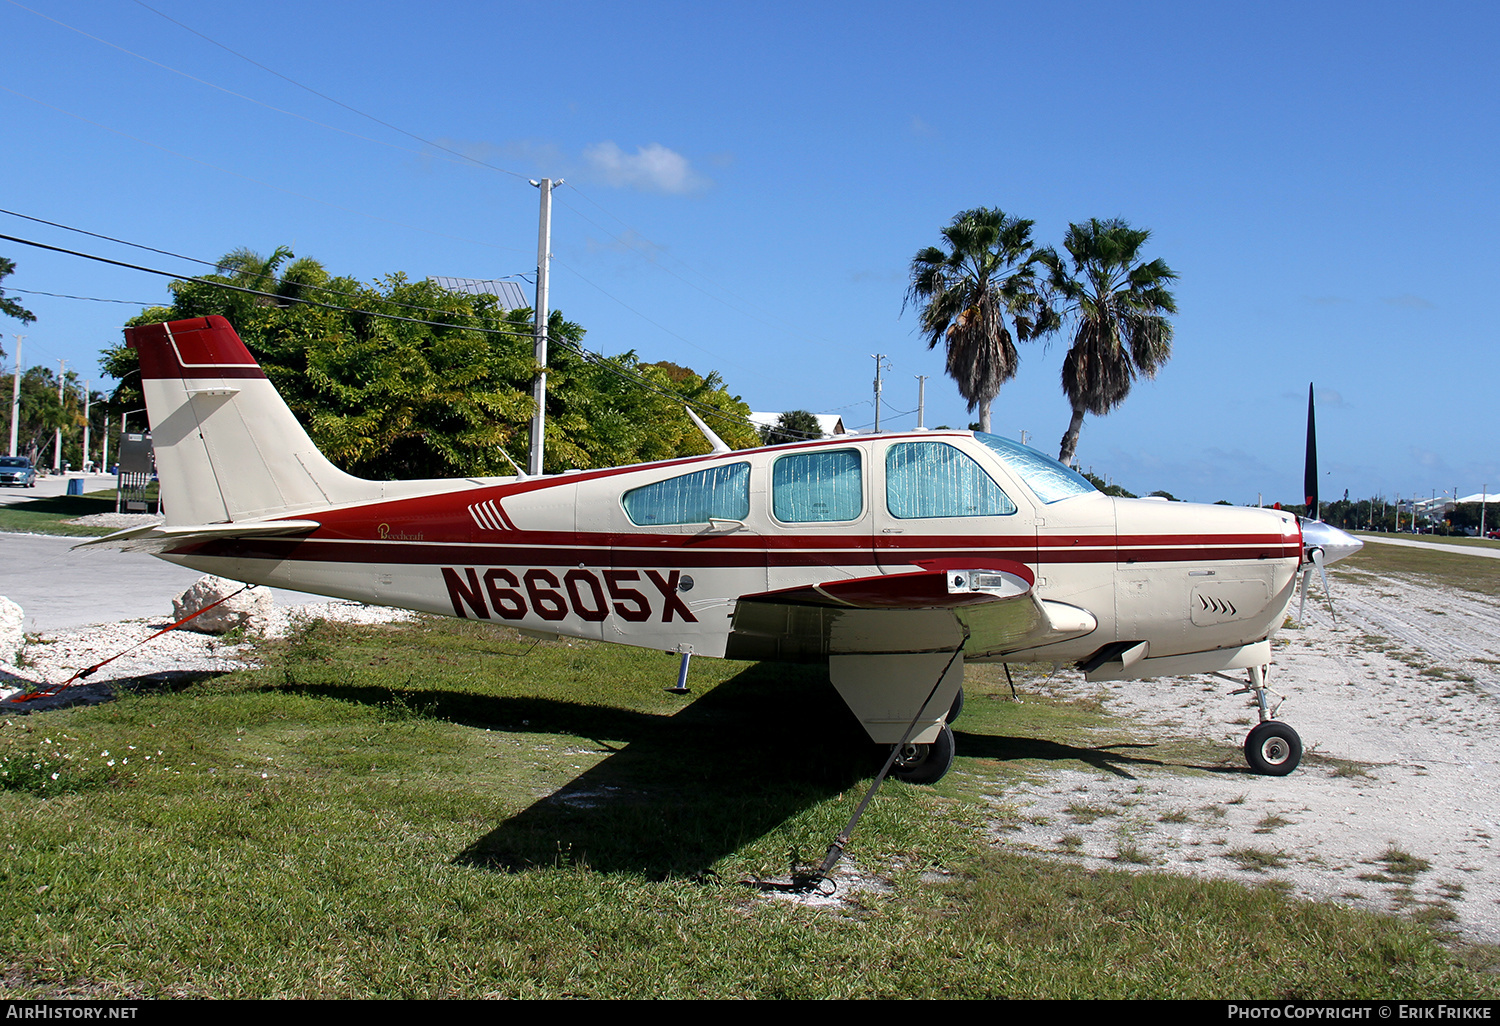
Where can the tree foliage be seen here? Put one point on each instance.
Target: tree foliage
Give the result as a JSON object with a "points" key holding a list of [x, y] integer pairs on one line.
{"points": [[1118, 304], [42, 413], [384, 396], [9, 307], [791, 426], [986, 277]]}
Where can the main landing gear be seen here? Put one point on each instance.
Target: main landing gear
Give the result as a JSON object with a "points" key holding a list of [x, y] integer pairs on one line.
{"points": [[1272, 748], [927, 764]]}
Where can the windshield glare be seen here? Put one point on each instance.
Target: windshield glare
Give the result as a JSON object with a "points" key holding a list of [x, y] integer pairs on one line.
{"points": [[1048, 479]]}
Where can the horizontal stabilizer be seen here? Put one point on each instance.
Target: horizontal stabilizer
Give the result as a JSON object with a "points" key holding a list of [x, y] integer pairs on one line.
{"points": [[160, 538]]}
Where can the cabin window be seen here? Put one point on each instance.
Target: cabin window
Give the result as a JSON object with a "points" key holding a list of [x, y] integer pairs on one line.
{"points": [[813, 487], [1046, 477], [933, 479], [721, 492]]}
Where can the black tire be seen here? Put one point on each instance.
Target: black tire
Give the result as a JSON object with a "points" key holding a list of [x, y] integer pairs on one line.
{"points": [[957, 707], [926, 764], [1273, 749]]}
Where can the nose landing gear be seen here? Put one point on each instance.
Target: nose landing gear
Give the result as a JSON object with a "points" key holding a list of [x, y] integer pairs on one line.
{"points": [[1272, 748]]}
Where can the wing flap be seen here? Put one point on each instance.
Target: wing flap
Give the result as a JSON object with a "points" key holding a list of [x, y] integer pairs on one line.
{"points": [[160, 538]]}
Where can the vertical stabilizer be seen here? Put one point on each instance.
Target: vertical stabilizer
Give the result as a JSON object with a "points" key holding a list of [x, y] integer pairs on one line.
{"points": [[227, 447]]}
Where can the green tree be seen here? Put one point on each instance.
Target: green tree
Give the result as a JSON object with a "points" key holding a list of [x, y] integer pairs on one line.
{"points": [[42, 414], [385, 396], [9, 307], [791, 426], [967, 292], [1119, 305]]}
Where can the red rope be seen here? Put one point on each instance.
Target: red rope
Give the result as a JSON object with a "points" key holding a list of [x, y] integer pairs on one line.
{"points": [[85, 674]]}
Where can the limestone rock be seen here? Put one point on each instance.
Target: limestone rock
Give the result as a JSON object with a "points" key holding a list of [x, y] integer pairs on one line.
{"points": [[12, 636], [250, 609]]}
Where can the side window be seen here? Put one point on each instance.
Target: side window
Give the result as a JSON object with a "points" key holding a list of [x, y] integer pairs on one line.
{"points": [[933, 479], [722, 492], [813, 487]]}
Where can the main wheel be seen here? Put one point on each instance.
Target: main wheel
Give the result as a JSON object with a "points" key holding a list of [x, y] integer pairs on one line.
{"points": [[1273, 749], [957, 706], [925, 764]]}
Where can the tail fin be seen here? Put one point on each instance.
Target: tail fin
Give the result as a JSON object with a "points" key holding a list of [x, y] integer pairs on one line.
{"points": [[227, 447]]}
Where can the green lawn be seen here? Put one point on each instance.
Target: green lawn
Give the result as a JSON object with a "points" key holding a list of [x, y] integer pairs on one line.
{"points": [[1454, 569], [49, 515], [449, 810]]}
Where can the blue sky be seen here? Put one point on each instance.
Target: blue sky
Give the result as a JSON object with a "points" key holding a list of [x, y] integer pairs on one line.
{"points": [[747, 184]]}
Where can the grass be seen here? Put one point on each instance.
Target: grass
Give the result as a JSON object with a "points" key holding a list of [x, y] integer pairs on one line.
{"points": [[49, 515], [1256, 859], [1456, 569], [444, 810]]}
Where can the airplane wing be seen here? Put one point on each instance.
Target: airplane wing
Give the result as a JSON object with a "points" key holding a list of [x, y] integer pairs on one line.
{"points": [[159, 538], [989, 609]]}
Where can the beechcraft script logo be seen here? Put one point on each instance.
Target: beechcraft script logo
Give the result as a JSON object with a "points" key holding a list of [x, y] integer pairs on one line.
{"points": [[489, 517]]}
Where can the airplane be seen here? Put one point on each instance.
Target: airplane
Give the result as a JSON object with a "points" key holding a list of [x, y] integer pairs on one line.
{"points": [[894, 559]]}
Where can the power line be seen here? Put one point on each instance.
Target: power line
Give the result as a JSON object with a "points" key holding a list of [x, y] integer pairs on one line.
{"points": [[91, 299], [261, 103], [330, 99], [249, 178], [596, 358], [207, 263], [456, 155]]}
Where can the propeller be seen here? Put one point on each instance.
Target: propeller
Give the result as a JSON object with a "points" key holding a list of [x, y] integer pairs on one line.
{"points": [[1321, 543]]}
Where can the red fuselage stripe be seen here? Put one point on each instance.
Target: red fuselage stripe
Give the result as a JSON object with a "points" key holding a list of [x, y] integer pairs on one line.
{"points": [[670, 550]]}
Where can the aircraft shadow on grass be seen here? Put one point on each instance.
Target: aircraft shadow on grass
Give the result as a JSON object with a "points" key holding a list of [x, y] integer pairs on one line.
{"points": [[681, 791]]}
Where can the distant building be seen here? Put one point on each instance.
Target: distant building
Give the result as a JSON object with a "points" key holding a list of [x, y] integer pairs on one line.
{"points": [[830, 423], [508, 292]]}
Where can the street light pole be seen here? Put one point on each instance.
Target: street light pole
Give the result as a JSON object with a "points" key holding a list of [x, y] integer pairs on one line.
{"points": [[62, 373], [15, 395]]}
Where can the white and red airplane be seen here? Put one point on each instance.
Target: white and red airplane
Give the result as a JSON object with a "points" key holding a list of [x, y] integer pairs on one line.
{"points": [[894, 558]]}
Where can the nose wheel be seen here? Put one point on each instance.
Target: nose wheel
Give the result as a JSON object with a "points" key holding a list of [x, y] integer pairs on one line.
{"points": [[1273, 749]]}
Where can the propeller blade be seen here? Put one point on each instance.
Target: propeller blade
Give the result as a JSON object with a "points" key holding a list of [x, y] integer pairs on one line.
{"points": [[1302, 605], [1310, 467], [1317, 558]]}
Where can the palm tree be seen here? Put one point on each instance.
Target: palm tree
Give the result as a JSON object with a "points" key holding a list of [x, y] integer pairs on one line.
{"points": [[1119, 304], [988, 273], [248, 269]]}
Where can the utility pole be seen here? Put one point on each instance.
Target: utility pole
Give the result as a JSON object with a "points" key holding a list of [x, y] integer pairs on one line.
{"points": [[62, 368], [85, 461], [921, 401], [104, 455], [539, 386], [15, 396], [879, 363]]}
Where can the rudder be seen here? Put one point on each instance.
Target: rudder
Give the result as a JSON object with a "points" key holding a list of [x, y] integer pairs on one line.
{"points": [[228, 448]]}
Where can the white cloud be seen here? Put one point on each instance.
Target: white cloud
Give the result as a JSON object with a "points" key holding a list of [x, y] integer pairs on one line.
{"points": [[652, 168]]}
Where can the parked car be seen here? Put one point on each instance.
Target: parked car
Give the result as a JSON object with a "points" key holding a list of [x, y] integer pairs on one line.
{"points": [[17, 470]]}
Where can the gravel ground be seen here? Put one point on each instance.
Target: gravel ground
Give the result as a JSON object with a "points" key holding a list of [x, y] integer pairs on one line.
{"points": [[53, 656], [1395, 807]]}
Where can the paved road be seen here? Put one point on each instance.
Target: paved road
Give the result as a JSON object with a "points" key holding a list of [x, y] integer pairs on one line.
{"points": [[54, 485], [1463, 550], [56, 587]]}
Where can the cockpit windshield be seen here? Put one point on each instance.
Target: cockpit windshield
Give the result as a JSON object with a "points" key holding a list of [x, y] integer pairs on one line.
{"points": [[1048, 479]]}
